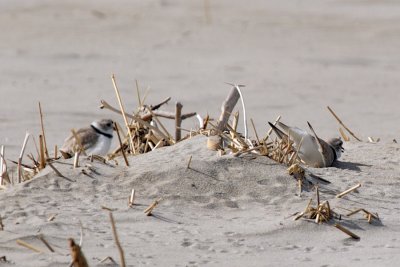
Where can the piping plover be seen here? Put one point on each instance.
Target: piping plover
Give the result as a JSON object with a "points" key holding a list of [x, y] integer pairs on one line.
{"points": [[95, 139], [314, 151]]}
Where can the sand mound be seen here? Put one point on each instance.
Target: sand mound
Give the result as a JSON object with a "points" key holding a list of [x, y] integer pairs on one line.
{"points": [[221, 209]]}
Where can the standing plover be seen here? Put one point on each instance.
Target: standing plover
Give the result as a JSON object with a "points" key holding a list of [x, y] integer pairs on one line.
{"points": [[314, 151], [95, 139]]}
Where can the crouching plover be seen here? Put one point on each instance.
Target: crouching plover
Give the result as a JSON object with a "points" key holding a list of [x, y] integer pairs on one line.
{"points": [[314, 151], [95, 139]]}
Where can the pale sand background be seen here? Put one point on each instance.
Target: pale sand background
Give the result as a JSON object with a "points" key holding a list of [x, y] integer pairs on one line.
{"points": [[295, 58]]}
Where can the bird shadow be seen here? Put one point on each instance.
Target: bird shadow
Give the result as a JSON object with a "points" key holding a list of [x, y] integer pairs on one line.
{"points": [[352, 166]]}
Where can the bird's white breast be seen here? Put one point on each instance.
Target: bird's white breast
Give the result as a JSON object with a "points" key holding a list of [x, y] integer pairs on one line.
{"points": [[101, 147]]}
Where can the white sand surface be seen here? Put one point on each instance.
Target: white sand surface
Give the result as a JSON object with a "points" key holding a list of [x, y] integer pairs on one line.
{"points": [[223, 211], [295, 58]]}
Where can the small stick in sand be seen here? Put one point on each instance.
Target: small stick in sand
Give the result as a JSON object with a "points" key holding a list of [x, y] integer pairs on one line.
{"points": [[354, 212], [132, 198], [42, 127], [348, 191], [78, 259], [138, 93], [107, 208], [178, 121], [151, 207], [345, 230], [345, 137], [45, 243], [108, 258], [190, 161], [114, 229], [58, 172], [304, 212], [1, 224], [20, 157], [317, 192], [28, 246], [51, 218], [76, 160], [42, 160], [341, 123], [227, 107], [123, 113], [120, 144]]}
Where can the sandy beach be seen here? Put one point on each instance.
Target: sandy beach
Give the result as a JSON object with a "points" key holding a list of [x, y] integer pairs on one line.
{"points": [[295, 58]]}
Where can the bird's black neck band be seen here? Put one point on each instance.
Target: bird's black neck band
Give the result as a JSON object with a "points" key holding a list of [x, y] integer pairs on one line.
{"points": [[334, 153], [100, 132]]}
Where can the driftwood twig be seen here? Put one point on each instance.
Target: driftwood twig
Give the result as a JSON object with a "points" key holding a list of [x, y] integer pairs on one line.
{"points": [[341, 123]]}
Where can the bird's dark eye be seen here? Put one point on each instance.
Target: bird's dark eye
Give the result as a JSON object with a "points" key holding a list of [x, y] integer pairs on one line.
{"points": [[109, 124]]}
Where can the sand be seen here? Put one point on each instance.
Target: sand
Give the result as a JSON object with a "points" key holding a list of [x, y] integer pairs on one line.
{"points": [[295, 58], [221, 211]]}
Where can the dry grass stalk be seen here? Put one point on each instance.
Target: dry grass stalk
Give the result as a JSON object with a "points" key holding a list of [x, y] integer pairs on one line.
{"points": [[3, 167], [236, 136], [348, 191], [58, 173], [1, 224], [345, 230], [239, 153], [51, 218], [304, 212], [344, 136], [42, 158], [190, 160], [121, 145], [41, 237], [108, 258], [28, 246], [321, 213], [235, 120], [55, 151], [76, 160], [138, 93], [178, 121], [78, 259], [123, 113], [150, 208], [43, 134], [255, 131], [107, 208], [132, 198], [115, 234], [368, 215], [341, 123], [19, 170]]}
